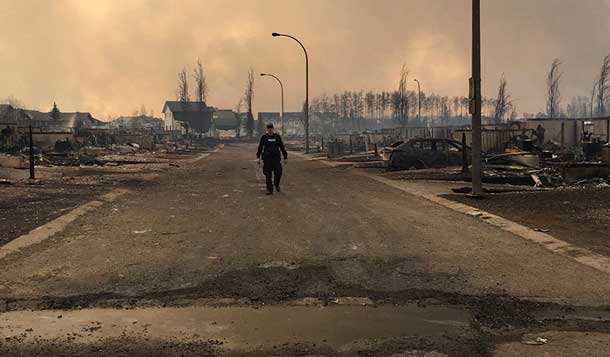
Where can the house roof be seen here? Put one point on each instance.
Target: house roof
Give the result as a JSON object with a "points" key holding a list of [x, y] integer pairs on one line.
{"points": [[177, 106], [10, 115], [65, 120]]}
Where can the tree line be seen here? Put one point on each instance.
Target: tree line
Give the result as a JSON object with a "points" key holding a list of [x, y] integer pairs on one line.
{"points": [[402, 105]]}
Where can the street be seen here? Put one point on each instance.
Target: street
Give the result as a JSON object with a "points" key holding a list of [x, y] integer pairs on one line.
{"points": [[200, 262]]}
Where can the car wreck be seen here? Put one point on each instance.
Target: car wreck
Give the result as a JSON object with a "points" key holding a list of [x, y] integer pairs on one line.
{"points": [[424, 153]]}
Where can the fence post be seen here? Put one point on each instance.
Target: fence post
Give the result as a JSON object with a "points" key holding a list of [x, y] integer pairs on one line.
{"points": [[562, 139], [464, 155], [32, 174]]}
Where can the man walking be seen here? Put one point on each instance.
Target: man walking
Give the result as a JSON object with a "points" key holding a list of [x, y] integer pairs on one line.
{"points": [[270, 149]]}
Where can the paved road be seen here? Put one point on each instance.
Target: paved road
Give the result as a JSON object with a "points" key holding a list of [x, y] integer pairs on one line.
{"points": [[206, 235]]}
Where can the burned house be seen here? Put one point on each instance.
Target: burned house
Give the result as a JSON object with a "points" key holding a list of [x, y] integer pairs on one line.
{"points": [[570, 131], [48, 127], [185, 117]]}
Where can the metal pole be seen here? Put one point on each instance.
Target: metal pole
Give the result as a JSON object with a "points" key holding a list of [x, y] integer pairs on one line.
{"points": [[419, 99], [477, 182], [563, 140], [306, 102], [282, 90], [32, 175], [282, 117], [275, 34], [464, 155]]}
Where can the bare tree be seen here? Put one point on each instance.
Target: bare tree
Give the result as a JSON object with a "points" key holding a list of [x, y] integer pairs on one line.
{"points": [[369, 100], [553, 81], [603, 86], [503, 102], [248, 99], [200, 83], [13, 102], [182, 93], [402, 92], [238, 106], [456, 106], [593, 91], [396, 100]]}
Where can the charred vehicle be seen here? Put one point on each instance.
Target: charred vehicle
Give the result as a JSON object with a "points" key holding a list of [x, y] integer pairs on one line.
{"points": [[423, 154]]}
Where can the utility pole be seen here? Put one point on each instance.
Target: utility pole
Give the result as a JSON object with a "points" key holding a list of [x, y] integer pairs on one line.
{"points": [[475, 85]]}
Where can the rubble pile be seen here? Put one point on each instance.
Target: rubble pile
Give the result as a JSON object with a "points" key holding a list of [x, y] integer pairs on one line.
{"points": [[542, 167]]}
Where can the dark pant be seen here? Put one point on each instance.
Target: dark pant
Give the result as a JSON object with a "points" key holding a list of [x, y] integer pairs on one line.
{"points": [[273, 173]]}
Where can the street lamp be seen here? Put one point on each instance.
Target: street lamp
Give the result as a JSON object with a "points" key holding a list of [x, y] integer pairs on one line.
{"points": [[419, 98], [275, 34], [475, 97], [282, 89]]}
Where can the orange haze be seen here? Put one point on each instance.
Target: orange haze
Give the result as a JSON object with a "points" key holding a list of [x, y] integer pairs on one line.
{"points": [[110, 57]]}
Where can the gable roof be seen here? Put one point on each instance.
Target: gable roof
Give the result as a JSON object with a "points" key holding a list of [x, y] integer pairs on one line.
{"points": [[177, 106], [10, 115], [65, 120]]}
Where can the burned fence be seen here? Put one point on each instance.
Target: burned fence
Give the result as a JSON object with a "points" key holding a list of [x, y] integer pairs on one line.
{"points": [[344, 144], [495, 139]]}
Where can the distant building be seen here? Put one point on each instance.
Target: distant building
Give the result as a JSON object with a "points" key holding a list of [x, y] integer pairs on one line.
{"points": [[137, 123], [225, 119], [292, 120], [269, 117], [225, 124], [183, 116], [54, 119], [10, 116]]}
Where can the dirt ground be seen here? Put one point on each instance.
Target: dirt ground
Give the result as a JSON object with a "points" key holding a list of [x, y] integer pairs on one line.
{"points": [[580, 216], [206, 235], [25, 206]]}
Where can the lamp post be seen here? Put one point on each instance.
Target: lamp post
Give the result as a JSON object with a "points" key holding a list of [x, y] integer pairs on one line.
{"points": [[419, 99], [477, 182], [275, 34], [282, 89]]}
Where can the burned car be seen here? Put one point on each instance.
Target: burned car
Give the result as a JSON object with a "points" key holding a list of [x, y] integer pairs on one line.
{"points": [[423, 154]]}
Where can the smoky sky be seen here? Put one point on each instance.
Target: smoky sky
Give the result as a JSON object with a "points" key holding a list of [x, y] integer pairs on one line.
{"points": [[110, 57]]}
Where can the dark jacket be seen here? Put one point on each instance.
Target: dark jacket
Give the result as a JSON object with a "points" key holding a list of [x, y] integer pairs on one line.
{"points": [[271, 147]]}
